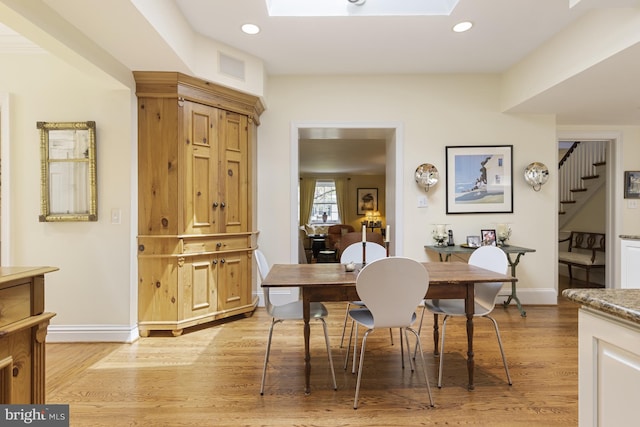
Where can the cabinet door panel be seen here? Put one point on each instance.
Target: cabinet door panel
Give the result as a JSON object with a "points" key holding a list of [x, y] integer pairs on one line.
{"points": [[233, 280], [234, 174], [199, 287], [201, 169]]}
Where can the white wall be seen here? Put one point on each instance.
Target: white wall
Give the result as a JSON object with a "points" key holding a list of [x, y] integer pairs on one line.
{"points": [[91, 291], [437, 111]]}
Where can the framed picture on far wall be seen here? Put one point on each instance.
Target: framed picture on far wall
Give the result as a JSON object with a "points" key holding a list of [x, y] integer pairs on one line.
{"points": [[632, 184], [367, 200], [479, 179]]}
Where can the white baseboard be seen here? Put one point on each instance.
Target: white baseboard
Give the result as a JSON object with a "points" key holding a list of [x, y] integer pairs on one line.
{"points": [[532, 296], [92, 333]]}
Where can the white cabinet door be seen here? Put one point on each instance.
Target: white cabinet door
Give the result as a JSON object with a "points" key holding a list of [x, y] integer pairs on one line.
{"points": [[609, 371], [630, 264]]}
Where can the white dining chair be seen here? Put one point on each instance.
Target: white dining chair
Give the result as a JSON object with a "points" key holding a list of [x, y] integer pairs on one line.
{"points": [[485, 296], [353, 252], [289, 311], [390, 306]]}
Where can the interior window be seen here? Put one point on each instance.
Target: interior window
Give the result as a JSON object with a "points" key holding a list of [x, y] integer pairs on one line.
{"points": [[324, 202]]}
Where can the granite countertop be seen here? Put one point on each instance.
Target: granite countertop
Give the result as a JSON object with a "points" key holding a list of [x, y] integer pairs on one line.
{"points": [[629, 237], [622, 303]]}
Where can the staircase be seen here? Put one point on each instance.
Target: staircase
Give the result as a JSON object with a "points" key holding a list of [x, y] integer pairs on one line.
{"points": [[581, 172]]}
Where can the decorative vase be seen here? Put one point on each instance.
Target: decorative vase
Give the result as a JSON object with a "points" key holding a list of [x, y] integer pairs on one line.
{"points": [[324, 217]]}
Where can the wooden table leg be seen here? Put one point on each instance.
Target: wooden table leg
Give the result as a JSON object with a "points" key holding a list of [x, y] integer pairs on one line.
{"points": [[306, 314], [469, 304]]}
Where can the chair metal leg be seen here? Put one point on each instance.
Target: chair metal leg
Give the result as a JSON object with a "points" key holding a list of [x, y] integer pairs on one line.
{"points": [[355, 349], [406, 339], [266, 355], [402, 350], [504, 359], [424, 366], [419, 330], [344, 326], [346, 357], [364, 345], [326, 339], [444, 327]]}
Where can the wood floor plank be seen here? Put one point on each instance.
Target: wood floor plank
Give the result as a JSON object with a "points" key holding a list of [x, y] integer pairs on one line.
{"points": [[210, 376]]}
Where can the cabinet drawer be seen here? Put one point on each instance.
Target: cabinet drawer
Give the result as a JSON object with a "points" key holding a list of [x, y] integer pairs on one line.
{"points": [[216, 244], [15, 304]]}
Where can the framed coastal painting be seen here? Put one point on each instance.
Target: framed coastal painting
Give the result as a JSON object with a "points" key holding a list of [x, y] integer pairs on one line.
{"points": [[479, 179], [367, 200]]}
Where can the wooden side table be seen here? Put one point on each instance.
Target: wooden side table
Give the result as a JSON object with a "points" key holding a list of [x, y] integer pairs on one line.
{"points": [[23, 329]]}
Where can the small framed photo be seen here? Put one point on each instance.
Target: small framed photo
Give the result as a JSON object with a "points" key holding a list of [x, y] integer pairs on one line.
{"points": [[473, 241], [488, 237], [632, 184]]}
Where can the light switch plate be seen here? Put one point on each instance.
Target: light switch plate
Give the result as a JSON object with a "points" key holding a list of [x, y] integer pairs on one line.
{"points": [[423, 202], [115, 216], [632, 204]]}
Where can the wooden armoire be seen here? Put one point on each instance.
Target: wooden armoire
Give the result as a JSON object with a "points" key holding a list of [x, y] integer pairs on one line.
{"points": [[195, 228]]}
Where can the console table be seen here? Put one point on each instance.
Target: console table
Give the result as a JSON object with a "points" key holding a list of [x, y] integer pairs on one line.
{"points": [[23, 328], [445, 252]]}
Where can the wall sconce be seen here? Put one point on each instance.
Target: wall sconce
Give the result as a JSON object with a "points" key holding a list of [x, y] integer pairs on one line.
{"points": [[536, 174], [427, 176]]}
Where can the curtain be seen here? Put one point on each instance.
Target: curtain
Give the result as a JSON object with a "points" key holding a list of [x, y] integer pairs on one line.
{"points": [[341, 198], [307, 191]]}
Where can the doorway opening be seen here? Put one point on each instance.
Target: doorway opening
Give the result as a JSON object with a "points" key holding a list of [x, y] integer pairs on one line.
{"points": [[612, 204], [391, 135]]}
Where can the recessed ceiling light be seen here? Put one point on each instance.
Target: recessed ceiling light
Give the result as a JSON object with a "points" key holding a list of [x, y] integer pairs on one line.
{"points": [[250, 29], [462, 26]]}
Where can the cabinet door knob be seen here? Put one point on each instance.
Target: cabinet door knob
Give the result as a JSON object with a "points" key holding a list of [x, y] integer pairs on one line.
{"points": [[215, 204], [222, 205], [219, 244], [214, 262], [222, 261]]}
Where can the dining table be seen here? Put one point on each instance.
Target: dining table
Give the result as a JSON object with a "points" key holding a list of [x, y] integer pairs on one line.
{"points": [[331, 282]]}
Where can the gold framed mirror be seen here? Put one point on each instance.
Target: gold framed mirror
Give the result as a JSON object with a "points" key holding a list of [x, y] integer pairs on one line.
{"points": [[68, 171]]}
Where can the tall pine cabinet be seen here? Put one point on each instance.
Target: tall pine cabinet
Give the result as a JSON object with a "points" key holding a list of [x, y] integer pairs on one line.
{"points": [[195, 228]]}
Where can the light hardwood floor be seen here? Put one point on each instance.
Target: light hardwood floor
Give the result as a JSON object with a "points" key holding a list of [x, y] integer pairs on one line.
{"points": [[210, 376]]}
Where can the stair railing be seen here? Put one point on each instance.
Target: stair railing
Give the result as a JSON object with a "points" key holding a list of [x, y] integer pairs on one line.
{"points": [[579, 162]]}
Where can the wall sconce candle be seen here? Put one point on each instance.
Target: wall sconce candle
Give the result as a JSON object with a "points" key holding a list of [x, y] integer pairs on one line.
{"points": [[536, 174], [427, 176]]}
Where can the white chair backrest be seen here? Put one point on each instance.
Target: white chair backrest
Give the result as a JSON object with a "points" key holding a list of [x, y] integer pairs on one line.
{"points": [[263, 270], [392, 288], [494, 259], [353, 253], [263, 265], [491, 258]]}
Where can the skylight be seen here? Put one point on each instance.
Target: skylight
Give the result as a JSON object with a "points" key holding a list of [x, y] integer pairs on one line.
{"points": [[360, 8]]}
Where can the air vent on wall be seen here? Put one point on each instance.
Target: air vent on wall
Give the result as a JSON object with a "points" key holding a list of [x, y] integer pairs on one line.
{"points": [[231, 66]]}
